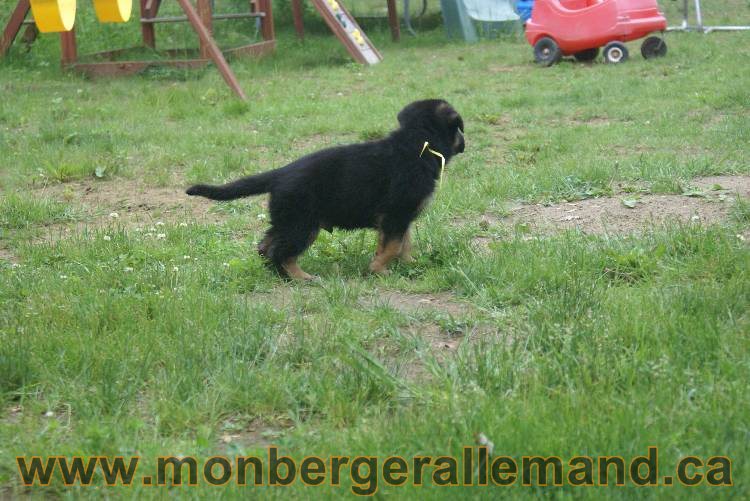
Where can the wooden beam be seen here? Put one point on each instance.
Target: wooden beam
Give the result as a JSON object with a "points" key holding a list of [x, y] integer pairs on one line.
{"points": [[120, 68], [14, 25], [180, 19], [204, 11], [266, 22], [148, 9], [393, 21], [297, 16], [213, 50], [68, 47]]}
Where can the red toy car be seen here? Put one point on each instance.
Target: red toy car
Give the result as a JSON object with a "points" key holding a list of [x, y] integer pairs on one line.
{"points": [[579, 27]]}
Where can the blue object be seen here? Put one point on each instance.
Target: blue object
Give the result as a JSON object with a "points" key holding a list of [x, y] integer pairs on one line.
{"points": [[459, 17], [491, 11], [524, 8]]}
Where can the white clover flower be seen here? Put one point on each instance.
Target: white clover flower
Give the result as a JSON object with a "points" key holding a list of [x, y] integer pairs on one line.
{"points": [[114, 215], [161, 236], [741, 238], [184, 225], [63, 277], [226, 265], [175, 269], [159, 223], [186, 257], [107, 238], [261, 216], [127, 269]]}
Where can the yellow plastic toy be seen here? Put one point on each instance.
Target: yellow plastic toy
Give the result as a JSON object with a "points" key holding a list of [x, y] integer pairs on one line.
{"points": [[113, 11], [54, 15]]}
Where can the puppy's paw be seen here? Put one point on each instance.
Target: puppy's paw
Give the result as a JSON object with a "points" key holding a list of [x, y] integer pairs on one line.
{"points": [[303, 277]]}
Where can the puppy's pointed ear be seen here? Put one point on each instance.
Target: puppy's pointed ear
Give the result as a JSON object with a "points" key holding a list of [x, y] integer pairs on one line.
{"points": [[446, 112]]}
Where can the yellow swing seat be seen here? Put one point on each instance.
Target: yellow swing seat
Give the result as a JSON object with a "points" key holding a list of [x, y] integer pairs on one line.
{"points": [[52, 16], [113, 11]]}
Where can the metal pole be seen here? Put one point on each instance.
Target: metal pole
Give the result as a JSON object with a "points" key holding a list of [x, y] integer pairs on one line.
{"points": [[699, 20], [698, 16]]}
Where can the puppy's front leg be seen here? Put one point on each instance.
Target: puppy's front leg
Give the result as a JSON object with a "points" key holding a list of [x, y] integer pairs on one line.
{"points": [[390, 249], [292, 269]]}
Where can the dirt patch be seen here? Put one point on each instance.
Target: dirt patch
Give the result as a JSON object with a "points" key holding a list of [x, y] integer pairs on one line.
{"points": [[592, 121], [503, 69], [255, 434], [440, 340], [129, 204], [131, 199], [443, 344], [739, 185], [441, 302], [708, 203], [611, 215], [413, 366], [6, 255]]}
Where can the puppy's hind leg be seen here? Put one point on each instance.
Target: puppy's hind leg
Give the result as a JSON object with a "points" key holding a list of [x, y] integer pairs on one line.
{"points": [[265, 245], [288, 245]]}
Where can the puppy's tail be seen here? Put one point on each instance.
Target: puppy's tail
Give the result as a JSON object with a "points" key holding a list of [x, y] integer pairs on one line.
{"points": [[243, 187]]}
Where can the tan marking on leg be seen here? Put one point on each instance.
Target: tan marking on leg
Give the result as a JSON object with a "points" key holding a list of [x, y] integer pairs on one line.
{"points": [[293, 270], [405, 254], [380, 263]]}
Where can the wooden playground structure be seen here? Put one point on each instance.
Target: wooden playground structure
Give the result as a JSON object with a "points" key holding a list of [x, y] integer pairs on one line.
{"points": [[59, 16]]}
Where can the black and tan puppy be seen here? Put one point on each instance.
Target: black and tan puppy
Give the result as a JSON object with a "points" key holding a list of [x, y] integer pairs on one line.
{"points": [[381, 184]]}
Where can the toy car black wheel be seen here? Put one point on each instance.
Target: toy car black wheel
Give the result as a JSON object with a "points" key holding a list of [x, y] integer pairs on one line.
{"points": [[615, 52], [587, 55], [653, 47], [547, 52]]}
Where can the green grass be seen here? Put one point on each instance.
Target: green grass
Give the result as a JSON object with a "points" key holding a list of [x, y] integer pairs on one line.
{"points": [[115, 341], [17, 212]]}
